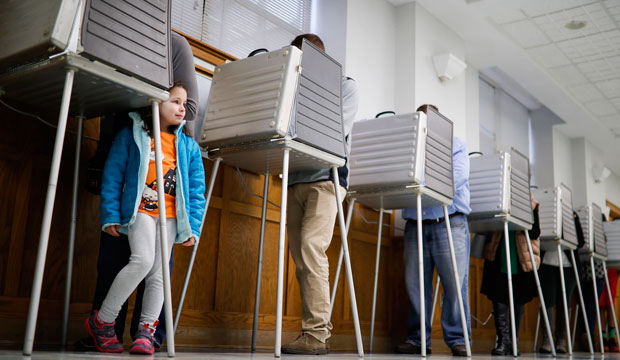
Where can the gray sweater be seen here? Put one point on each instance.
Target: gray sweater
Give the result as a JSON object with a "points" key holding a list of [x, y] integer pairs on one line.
{"points": [[183, 70]]}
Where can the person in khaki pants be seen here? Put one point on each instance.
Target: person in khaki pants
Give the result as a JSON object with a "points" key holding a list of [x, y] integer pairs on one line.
{"points": [[311, 216]]}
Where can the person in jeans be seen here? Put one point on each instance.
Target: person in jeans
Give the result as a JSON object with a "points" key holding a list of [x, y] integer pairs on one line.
{"points": [[311, 216], [437, 255]]}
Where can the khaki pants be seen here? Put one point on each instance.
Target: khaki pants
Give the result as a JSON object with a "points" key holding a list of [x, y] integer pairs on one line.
{"points": [[311, 216]]}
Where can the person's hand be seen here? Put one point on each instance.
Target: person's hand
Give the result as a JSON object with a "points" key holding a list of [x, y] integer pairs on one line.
{"points": [[112, 230], [188, 242]]}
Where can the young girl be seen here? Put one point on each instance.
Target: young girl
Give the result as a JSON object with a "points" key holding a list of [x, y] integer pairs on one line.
{"points": [[129, 204]]}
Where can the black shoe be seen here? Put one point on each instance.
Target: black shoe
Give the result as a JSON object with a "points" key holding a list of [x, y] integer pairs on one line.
{"points": [[409, 348], [459, 350], [85, 344]]}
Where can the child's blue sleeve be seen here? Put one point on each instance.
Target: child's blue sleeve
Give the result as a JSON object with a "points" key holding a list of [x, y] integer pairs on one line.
{"points": [[114, 179], [196, 188]]}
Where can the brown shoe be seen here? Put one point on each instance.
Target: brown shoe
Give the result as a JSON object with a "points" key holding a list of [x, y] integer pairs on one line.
{"points": [[459, 350], [409, 348], [306, 344]]}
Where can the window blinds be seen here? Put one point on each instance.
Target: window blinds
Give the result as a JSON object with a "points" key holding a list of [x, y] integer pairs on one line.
{"points": [[240, 26]]}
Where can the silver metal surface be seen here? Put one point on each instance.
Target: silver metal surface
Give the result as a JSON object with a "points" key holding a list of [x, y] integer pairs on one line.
{"points": [[489, 184], [97, 89], [598, 310], [74, 205], [340, 257], [513, 330], [612, 232], [564, 300], [457, 281], [421, 284], [583, 308], [435, 298], [496, 223], [267, 155], [388, 151], [556, 218], [399, 197], [259, 270], [542, 300], [190, 265], [163, 233], [37, 282], [374, 292], [252, 98], [347, 264], [281, 239]]}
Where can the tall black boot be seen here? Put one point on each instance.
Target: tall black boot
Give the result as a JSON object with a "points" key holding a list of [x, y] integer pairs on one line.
{"points": [[502, 329]]}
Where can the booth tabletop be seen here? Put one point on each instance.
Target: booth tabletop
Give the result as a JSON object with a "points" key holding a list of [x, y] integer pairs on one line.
{"points": [[97, 88]]}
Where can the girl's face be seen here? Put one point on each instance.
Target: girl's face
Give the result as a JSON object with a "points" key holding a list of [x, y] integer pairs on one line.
{"points": [[172, 112]]}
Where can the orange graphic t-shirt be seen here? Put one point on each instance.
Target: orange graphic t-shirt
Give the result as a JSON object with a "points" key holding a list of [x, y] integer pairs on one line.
{"points": [[149, 203]]}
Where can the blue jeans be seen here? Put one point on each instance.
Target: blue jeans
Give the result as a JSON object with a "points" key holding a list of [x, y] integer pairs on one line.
{"points": [[437, 255]]}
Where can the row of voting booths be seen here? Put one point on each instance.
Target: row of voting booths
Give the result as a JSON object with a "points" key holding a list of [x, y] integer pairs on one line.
{"points": [[273, 113]]}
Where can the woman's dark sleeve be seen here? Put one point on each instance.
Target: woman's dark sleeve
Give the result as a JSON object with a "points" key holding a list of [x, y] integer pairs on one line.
{"points": [[535, 232]]}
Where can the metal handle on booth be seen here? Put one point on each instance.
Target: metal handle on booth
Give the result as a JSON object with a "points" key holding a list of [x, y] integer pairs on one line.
{"points": [[385, 112], [258, 51]]}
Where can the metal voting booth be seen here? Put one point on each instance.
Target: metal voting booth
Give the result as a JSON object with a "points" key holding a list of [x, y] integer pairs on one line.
{"points": [[500, 201], [591, 220], [557, 233], [68, 54], [404, 161], [279, 112]]}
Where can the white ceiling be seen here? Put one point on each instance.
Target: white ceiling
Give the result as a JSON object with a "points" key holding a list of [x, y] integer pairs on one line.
{"points": [[575, 73]]}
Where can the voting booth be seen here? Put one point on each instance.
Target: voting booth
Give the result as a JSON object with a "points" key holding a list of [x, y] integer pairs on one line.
{"points": [[85, 58], [274, 113], [404, 161]]}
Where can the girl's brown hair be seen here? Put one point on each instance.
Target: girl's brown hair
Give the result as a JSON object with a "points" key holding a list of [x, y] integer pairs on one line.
{"points": [[147, 116]]}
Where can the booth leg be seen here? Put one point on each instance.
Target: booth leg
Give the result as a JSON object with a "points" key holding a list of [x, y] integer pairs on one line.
{"points": [[581, 302], [537, 330], [374, 291], [74, 205], [190, 266], [565, 301], [513, 330], [598, 309], [542, 300], [339, 266], [457, 281], [282, 237], [259, 270], [163, 232], [37, 282], [435, 297], [421, 276], [611, 301], [347, 264]]}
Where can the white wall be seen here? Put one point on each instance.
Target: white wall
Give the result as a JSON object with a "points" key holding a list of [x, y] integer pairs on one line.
{"points": [[371, 49], [541, 147], [328, 23], [562, 160], [434, 38], [472, 117], [612, 189]]}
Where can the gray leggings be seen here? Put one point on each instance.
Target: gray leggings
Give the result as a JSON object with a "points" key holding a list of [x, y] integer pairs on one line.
{"points": [[144, 263]]}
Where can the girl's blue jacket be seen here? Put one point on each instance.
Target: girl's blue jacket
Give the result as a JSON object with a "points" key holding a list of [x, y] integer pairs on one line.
{"points": [[124, 178]]}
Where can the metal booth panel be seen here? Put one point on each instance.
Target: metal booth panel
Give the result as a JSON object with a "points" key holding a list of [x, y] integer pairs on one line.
{"points": [[438, 170], [586, 219], [612, 232], [549, 213], [130, 35], [388, 151], [318, 102], [520, 197], [600, 245], [32, 30], [569, 233], [489, 181], [252, 99]]}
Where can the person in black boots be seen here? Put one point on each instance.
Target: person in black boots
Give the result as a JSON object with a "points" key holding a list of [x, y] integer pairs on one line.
{"points": [[494, 283]]}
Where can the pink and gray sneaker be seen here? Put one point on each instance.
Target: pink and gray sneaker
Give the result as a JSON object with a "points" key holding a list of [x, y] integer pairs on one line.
{"points": [[143, 343], [102, 334]]}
